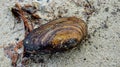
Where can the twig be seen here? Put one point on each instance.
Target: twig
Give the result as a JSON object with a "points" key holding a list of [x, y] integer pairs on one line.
{"points": [[27, 26]]}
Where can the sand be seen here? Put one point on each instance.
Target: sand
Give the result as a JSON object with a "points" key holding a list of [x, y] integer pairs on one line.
{"points": [[102, 46]]}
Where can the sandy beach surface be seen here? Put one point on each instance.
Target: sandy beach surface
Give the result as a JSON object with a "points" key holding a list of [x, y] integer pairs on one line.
{"points": [[101, 49]]}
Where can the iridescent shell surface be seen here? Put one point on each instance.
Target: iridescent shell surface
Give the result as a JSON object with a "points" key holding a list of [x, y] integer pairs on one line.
{"points": [[56, 36]]}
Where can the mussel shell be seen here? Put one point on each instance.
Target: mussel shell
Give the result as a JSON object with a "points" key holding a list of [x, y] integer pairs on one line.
{"points": [[57, 35]]}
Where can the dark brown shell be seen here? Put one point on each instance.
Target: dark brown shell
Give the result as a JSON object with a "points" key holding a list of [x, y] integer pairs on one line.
{"points": [[55, 36]]}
